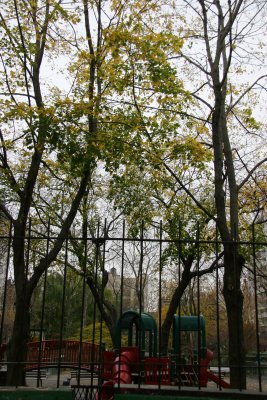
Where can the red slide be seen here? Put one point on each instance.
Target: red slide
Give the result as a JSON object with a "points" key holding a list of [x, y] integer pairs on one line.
{"points": [[206, 374], [121, 372], [218, 380]]}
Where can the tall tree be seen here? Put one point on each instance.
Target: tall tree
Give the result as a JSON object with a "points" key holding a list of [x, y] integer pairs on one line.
{"points": [[51, 139], [32, 122], [225, 27], [219, 39]]}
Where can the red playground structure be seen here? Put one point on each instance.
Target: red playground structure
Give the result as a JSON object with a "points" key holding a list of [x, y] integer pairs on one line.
{"points": [[136, 360], [139, 363]]}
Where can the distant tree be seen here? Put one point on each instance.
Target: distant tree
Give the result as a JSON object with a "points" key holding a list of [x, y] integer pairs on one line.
{"points": [[73, 313], [94, 330]]}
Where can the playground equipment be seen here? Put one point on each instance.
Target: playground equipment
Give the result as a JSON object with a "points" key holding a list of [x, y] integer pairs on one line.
{"points": [[135, 359], [190, 354], [139, 362], [139, 331]]}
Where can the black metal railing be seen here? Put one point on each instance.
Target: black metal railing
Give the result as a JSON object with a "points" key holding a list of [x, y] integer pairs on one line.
{"points": [[83, 291]]}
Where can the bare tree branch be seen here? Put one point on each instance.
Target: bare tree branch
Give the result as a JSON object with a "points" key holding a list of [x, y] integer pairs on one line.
{"points": [[251, 172], [249, 88]]}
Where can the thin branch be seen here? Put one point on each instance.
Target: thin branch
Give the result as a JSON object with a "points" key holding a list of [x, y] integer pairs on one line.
{"points": [[197, 65], [25, 55], [51, 171], [5, 166], [229, 109], [7, 82], [189, 193], [6, 212], [214, 265], [17, 94], [251, 172]]}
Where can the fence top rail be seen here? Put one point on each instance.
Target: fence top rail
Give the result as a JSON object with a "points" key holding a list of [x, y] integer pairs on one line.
{"points": [[99, 241]]}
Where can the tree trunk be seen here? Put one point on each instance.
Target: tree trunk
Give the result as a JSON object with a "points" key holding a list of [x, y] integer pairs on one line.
{"points": [[17, 346], [107, 310], [234, 304], [168, 321], [174, 304]]}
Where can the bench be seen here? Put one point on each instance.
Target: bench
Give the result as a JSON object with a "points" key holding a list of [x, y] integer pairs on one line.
{"points": [[35, 374], [84, 374], [223, 370]]}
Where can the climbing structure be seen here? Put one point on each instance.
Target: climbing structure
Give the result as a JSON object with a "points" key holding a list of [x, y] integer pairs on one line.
{"points": [[136, 360]]}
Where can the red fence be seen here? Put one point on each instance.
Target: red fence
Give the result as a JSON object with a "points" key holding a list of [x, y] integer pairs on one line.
{"points": [[69, 353]]}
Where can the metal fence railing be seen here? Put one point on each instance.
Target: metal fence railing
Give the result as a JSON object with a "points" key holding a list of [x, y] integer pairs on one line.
{"points": [[77, 301]]}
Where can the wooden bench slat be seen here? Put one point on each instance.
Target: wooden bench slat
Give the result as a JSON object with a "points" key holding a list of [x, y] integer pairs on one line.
{"points": [[37, 374], [83, 374]]}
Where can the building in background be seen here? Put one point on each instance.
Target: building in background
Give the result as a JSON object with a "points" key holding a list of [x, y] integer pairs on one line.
{"points": [[131, 288]]}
